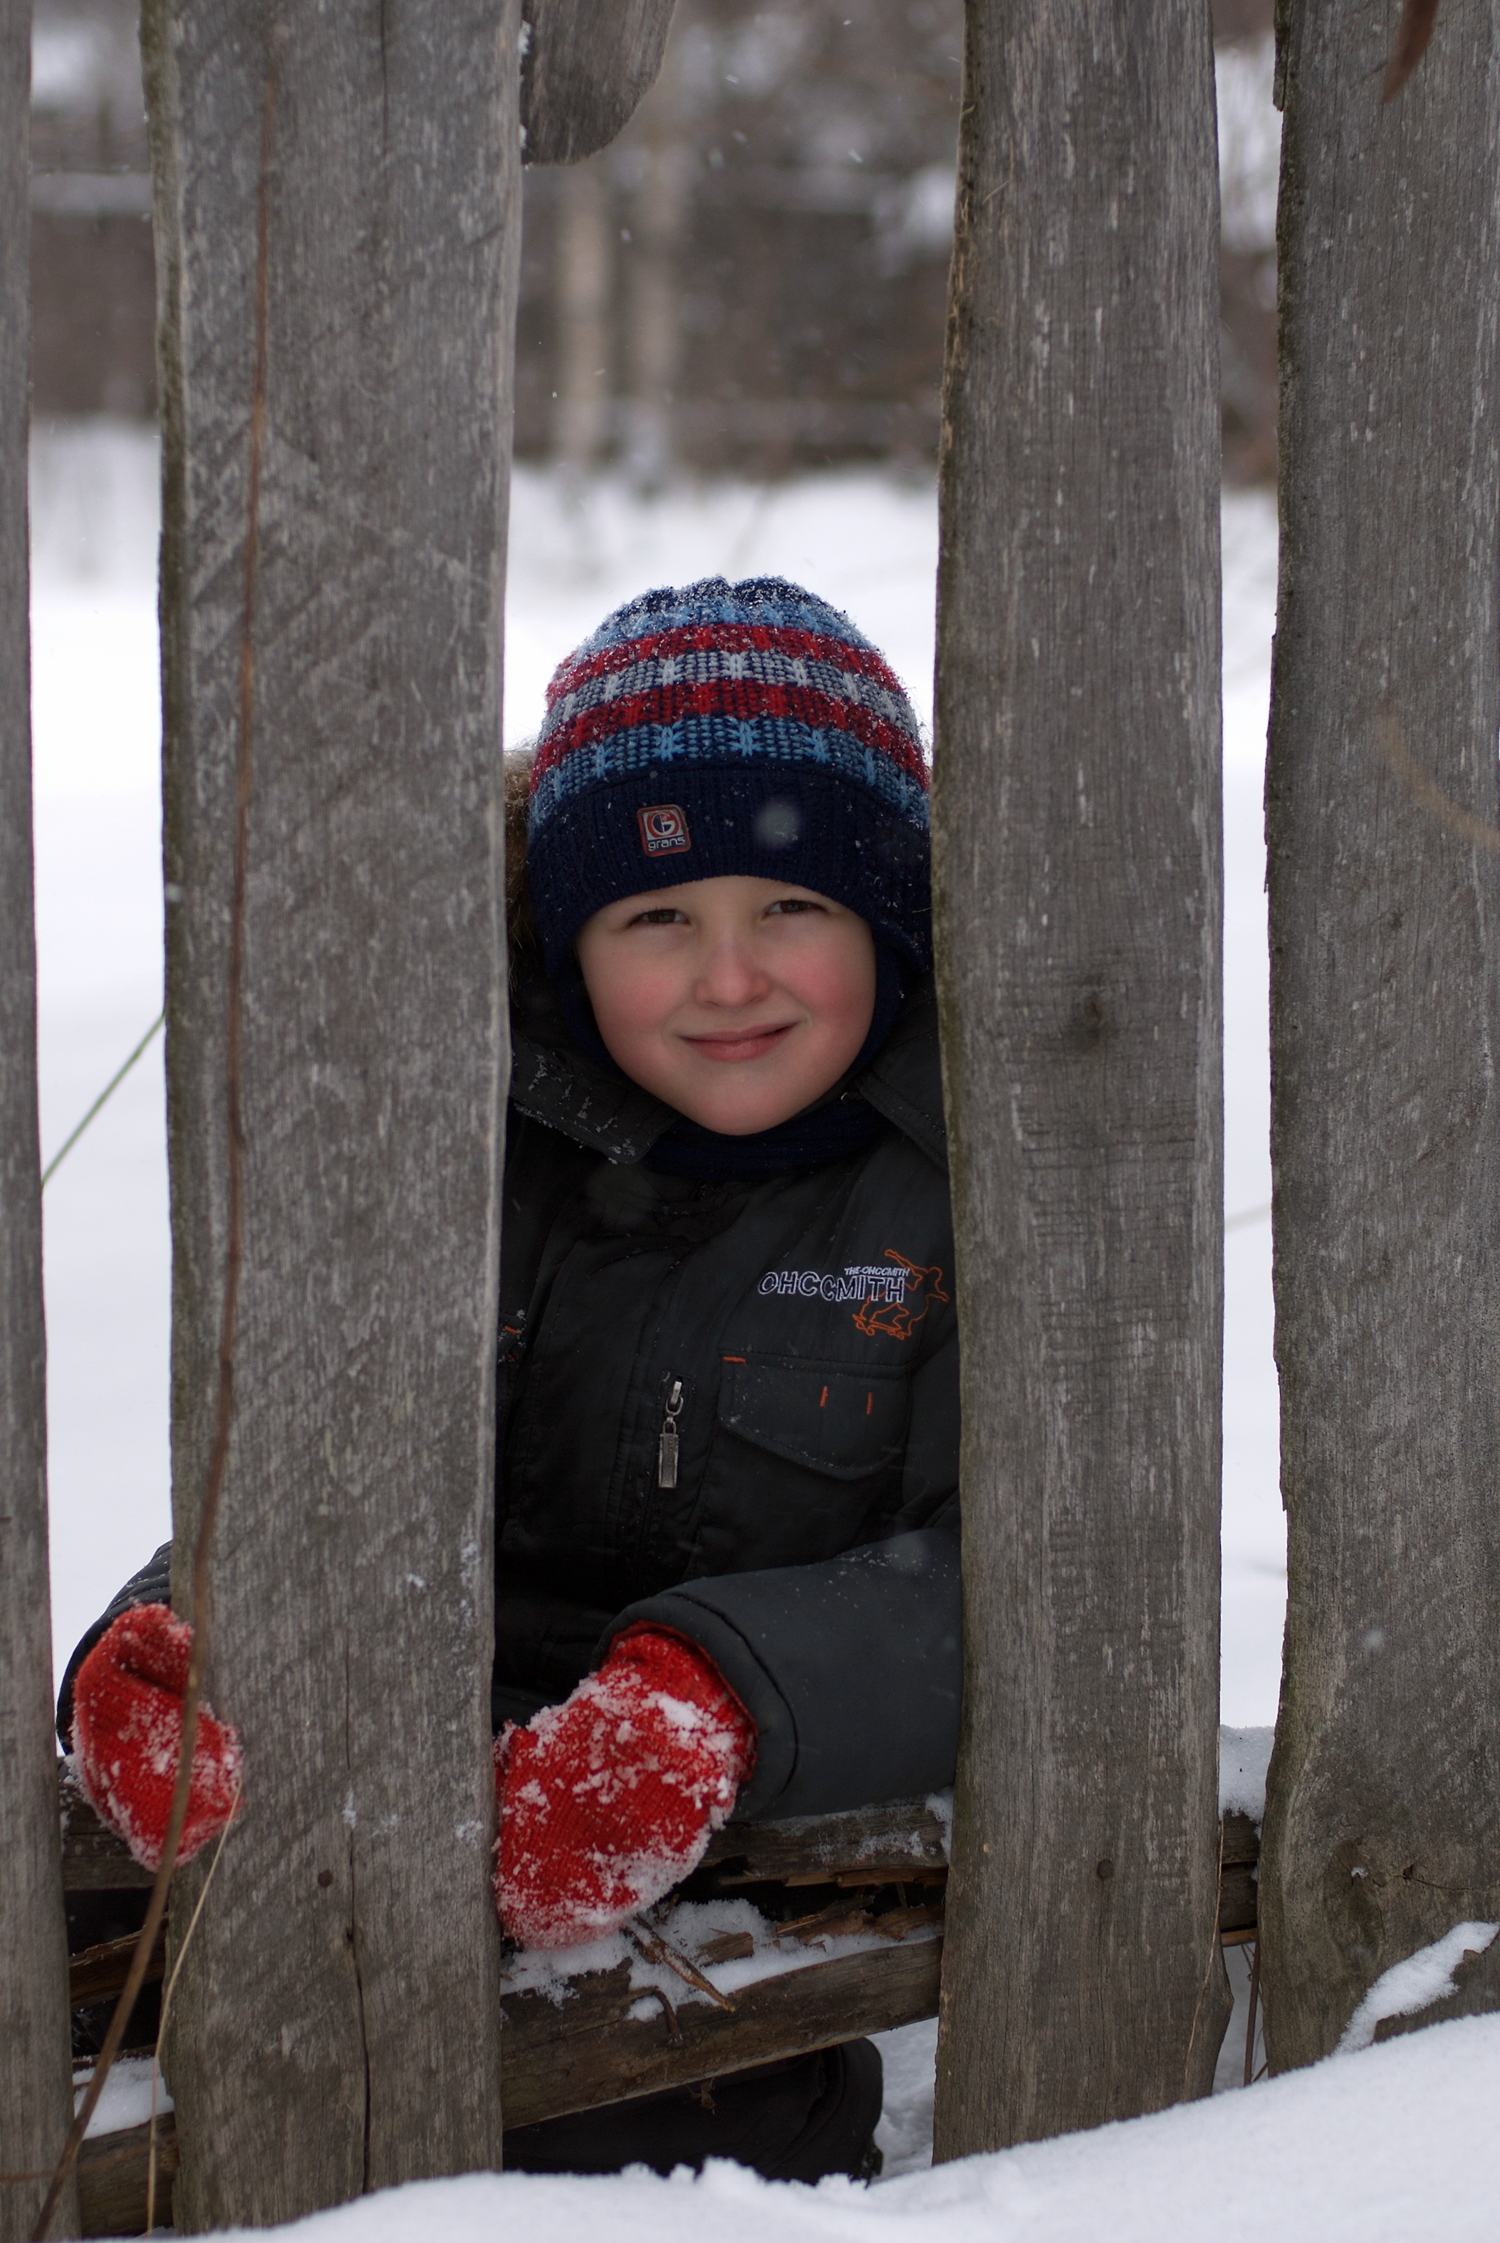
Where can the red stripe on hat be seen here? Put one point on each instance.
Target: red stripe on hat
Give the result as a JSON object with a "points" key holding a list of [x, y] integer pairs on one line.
{"points": [[727, 638], [736, 698]]}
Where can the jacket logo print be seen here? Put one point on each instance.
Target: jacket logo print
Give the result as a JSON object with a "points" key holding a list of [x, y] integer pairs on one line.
{"points": [[902, 1320], [880, 1292]]}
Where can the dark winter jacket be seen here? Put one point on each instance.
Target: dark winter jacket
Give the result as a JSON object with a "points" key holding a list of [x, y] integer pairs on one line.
{"points": [[730, 1409]]}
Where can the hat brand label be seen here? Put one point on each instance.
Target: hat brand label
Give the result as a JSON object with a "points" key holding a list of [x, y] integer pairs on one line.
{"points": [[664, 829]]}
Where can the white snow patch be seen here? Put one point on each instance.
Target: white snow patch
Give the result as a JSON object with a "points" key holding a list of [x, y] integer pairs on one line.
{"points": [[1423, 1978], [1394, 2147], [1249, 142], [1244, 1756], [904, 2135], [126, 2100], [940, 1803]]}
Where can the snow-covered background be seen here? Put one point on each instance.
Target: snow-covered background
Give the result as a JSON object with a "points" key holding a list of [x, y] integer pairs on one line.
{"points": [[864, 540]]}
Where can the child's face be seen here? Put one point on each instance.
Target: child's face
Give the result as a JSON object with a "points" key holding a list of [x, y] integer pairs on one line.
{"points": [[737, 1001]]}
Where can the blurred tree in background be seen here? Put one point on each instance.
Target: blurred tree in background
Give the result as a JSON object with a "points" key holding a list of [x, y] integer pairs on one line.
{"points": [[751, 280]]}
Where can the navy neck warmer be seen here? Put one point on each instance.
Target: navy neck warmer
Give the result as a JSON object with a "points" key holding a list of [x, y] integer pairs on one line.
{"points": [[839, 1125]]}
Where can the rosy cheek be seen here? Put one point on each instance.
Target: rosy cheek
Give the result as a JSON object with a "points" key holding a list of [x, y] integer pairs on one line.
{"points": [[632, 1006], [841, 989]]}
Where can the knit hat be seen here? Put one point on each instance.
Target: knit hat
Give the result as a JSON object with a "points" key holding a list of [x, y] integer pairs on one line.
{"points": [[729, 728]]}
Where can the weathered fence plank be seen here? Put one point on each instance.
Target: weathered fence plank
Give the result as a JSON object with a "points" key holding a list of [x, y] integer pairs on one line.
{"points": [[35, 2090], [337, 212], [1383, 1825], [1077, 859], [587, 65]]}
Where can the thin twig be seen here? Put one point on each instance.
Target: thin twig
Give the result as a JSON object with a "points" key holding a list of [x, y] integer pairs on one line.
{"points": [[224, 1408], [1424, 789], [1250, 2020], [104, 1096], [674, 2030], [656, 1950]]}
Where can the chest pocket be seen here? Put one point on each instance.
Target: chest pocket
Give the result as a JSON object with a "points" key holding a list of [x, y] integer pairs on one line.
{"points": [[846, 1424], [805, 1462]]}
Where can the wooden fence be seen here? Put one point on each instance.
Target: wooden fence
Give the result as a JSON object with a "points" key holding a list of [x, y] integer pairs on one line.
{"points": [[871, 1885], [336, 200]]}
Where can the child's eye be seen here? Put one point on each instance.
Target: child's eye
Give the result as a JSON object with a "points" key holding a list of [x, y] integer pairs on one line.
{"points": [[789, 904], [663, 917]]}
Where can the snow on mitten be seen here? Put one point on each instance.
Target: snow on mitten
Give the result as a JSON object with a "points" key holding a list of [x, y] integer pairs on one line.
{"points": [[127, 1736], [608, 1800]]}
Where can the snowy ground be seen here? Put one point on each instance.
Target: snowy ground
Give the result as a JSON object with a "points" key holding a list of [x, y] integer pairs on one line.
{"points": [[1385, 2146], [863, 540]]}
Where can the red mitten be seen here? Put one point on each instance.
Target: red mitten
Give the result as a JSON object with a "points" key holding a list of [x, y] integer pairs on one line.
{"points": [[127, 1736], [608, 1800]]}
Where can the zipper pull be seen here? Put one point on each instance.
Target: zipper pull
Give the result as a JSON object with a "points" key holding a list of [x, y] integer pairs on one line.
{"points": [[667, 1445]]}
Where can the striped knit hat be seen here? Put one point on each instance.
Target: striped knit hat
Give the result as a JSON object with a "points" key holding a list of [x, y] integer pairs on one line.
{"points": [[729, 728]]}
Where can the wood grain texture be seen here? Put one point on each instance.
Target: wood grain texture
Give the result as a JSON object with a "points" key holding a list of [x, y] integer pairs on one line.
{"points": [[887, 1841], [592, 2050], [35, 2091], [337, 2022], [114, 2179], [1383, 1824], [587, 65], [98, 1974], [93, 1858], [1078, 887]]}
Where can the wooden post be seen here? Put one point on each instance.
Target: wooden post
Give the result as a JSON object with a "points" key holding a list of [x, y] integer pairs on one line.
{"points": [[337, 208], [1383, 1819], [337, 202], [35, 2077], [1078, 898]]}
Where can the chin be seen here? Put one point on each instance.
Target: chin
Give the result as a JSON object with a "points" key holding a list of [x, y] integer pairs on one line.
{"points": [[729, 1114], [723, 1125]]}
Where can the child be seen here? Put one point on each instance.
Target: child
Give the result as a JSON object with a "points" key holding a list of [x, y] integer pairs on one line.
{"points": [[727, 1571]]}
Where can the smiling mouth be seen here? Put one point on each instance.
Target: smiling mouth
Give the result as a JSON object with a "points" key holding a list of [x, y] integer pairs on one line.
{"points": [[740, 1043]]}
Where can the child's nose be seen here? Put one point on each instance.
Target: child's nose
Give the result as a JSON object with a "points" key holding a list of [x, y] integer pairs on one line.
{"points": [[731, 975]]}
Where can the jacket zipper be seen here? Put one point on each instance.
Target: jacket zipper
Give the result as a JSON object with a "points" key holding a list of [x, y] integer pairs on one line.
{"points": [[668, 1443]]}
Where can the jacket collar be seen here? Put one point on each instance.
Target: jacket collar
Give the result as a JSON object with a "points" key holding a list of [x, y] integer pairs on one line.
{"points": [[554, 1083], [904, 1081]]}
